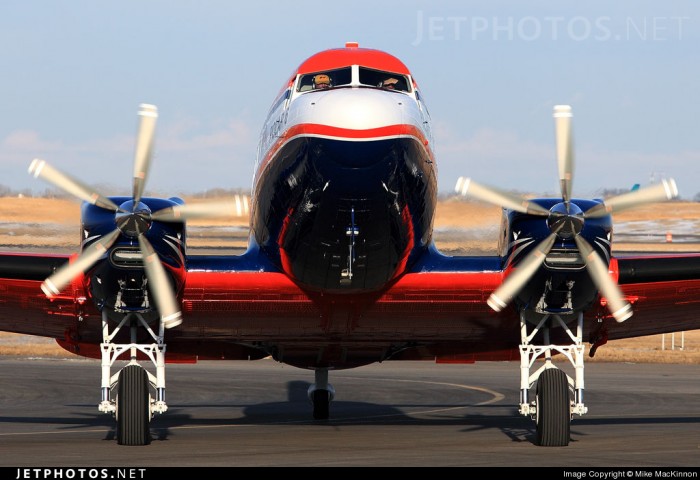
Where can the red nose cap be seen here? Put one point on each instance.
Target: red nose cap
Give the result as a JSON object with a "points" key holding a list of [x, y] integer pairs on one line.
{"points": [[352, 44]]}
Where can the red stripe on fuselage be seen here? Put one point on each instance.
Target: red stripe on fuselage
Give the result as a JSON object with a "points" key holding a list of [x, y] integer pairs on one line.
{"points": [[347, 134], [284, 256], [408, 221]]}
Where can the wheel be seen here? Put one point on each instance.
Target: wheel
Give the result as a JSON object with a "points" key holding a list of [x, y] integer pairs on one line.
{"points": [[553, 409], [322, 400], [133, 407]]}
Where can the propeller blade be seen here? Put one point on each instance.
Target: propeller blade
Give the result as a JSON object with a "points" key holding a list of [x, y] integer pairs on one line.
{"points": [[64, 276], [144, 148], [160, 285], [503, 295], [617, 305], [212, 209], [565, 148], [666, 190], [41, 169], [498, 197], [242, 208]]}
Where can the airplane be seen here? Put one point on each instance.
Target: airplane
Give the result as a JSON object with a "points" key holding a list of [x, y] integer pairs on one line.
{"points": [[341, 269]]}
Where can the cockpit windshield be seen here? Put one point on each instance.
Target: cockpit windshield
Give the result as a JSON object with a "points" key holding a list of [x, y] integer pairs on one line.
{"points": [[364, 77], [381, 79], [327, 79]]}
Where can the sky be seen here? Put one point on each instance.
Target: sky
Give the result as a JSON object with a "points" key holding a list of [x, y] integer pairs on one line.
{"points": [[73, 73]]}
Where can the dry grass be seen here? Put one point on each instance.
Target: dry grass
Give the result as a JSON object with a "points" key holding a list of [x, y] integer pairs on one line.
{"points": [[457, 213], [39, 210], [30, 346], [636, 350], [60, 220], [460, 213], [648, 349]]}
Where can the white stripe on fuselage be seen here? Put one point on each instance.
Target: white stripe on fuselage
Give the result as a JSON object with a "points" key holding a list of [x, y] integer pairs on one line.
{"points": [[354, 109]]}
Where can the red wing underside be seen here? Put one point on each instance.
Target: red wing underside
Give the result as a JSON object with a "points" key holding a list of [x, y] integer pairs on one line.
{"points": [[435, 314]]}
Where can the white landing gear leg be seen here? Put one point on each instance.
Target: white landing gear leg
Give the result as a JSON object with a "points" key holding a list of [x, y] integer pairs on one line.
{"points": [[321, 394], [553, 406], [127, 393]]}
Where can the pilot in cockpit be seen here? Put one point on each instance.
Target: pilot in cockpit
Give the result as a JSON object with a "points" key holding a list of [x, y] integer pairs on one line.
{"points": [[321, 81], [389, 83]]}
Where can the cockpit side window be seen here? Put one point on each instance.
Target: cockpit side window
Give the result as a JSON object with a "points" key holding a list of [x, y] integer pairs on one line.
{"points": [[280, 100], [325, 79], [382, 79]]}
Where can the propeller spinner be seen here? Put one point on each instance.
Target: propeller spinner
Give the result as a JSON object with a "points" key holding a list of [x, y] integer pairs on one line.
{"points": [[566, 221], [133, 219]]}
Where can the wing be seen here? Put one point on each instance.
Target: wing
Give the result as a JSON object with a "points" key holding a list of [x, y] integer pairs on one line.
{"points": [[664, 291], [438, 310], [23, 306], [244, 300]]}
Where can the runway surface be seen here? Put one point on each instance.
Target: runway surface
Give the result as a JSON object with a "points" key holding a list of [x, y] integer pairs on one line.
{"points": [[393, 414]]}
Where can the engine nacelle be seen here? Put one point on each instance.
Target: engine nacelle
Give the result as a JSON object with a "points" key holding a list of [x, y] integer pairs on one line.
{"points": [[562, 285], [118, 281]]}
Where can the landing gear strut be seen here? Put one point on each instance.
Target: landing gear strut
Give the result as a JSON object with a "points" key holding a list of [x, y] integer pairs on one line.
{"points": [[558, 396], [321, 394], [133, 404]]}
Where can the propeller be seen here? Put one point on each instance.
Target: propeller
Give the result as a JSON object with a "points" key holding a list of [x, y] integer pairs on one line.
{"points": [[160, 285], [503, 295], [133, 219], [565, 149], [219, 208], [144, 148], [617, 305], [498, 197], [63, 276], [41, 169], [666, 190], [566, 221]]}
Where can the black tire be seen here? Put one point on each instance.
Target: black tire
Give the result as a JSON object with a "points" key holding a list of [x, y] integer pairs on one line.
{"points": [[133, 407], [553, 409], [322, 401]]}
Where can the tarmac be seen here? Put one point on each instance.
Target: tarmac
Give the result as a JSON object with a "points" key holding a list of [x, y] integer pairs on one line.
{"points": [[390, 414]]}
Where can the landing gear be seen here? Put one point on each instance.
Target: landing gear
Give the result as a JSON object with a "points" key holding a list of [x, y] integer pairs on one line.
{"points": [[133, 406], [321, 394], [553, 409], [351, 232], [322, 402], [558, 396]]}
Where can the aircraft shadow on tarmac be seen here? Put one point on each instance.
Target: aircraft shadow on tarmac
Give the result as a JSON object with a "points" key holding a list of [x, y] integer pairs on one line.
{"points": [[297, 411]]}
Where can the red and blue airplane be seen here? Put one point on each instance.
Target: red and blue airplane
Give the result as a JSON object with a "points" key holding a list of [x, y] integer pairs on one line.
{"points": [[341, 269]]}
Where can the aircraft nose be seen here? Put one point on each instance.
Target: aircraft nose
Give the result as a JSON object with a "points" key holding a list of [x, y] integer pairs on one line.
{"points": [[352, 108]]}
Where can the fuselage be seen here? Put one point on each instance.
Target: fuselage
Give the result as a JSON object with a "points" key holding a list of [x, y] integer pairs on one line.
{"points": [[345, 187]]}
